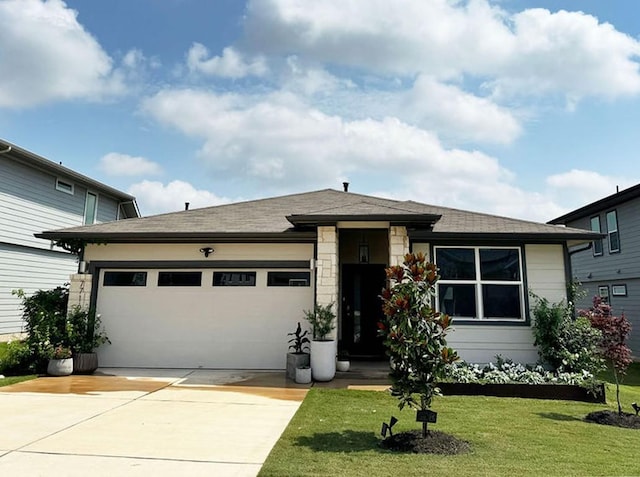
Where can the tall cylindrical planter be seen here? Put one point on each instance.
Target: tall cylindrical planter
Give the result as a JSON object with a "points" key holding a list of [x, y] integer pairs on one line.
{"points": [[323, 360]]}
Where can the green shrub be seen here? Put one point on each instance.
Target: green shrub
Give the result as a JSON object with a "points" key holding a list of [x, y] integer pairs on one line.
{"points": [[84, 332], [565, 344], [16, 359]]}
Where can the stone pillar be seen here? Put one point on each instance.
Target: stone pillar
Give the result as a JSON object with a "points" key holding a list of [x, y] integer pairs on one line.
{"points": [[398, 245], [327, 268], [80, 290]]}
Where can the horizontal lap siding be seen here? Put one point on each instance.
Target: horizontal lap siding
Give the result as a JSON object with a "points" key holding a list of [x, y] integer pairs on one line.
{"points": [[30, 270]]}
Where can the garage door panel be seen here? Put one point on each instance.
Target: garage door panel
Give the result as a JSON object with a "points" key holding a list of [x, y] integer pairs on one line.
{"points": [[207, 326]]}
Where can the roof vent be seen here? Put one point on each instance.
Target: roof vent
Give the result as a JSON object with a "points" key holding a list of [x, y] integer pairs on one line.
{"points": [[186, 206], [345, 185]]}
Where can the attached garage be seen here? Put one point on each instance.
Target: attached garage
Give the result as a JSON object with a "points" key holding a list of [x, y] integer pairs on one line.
{"points": [[201, 317]]}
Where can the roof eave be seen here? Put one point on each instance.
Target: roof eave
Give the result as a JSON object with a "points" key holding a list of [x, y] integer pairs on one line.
{"points": [[597, 206], [528, 237]]}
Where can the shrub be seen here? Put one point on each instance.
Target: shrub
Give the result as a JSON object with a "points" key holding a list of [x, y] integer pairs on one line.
{"points": [[414, 333], [565, 344], [322, 320], [16, 359], [84, 332]]}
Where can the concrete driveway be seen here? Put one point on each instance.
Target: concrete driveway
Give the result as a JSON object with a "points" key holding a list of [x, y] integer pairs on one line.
{"points": [[145, 422]]}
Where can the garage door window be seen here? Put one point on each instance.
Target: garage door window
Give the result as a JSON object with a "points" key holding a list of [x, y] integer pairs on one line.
{"points": [[289, 279], [234, 279], [125, 279], [179, 279]]}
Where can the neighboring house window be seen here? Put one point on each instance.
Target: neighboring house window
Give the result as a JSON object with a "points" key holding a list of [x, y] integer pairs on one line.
{"points": [[480, 282], [288, 279], [619, 290], [595, 227], [179, 279], [90, 208], [63, 186], [612, 230], [125, 279], [234, 279], [603, 292]]}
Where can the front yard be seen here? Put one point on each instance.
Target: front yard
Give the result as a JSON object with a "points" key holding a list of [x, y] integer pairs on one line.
{"points": [[336, 432]]}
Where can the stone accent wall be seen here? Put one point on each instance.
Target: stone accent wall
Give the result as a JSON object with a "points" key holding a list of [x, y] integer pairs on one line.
{"points": [[80, 290], [327, 267], [398, 245]]}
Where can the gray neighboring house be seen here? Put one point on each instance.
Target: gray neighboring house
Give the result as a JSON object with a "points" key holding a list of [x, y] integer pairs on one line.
{"points": [[610, 267], [37, 194], [221, 287]]}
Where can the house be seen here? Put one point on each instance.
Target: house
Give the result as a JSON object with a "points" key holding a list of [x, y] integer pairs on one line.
{"points": [[221, 287], [610, 266], [37, 194]]}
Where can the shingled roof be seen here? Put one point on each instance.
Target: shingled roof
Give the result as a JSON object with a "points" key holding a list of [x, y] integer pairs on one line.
{"points": [[293, 217]]}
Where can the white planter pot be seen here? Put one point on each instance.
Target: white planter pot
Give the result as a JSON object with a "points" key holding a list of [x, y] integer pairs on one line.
{"points": [[303, 375], [343, 366], [323, 360], [60, 367]]}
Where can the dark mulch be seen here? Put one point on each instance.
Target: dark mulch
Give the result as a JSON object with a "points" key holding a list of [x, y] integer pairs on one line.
{"points": [[436, 442], [611, 418]]}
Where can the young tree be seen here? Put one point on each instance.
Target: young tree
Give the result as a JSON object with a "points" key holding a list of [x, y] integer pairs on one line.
{"points": [[415, 333], [615, 330]]}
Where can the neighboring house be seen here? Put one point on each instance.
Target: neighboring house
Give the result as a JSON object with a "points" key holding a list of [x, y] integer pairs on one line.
{"points": [[221, 287], [37, 194], [610, 266]]}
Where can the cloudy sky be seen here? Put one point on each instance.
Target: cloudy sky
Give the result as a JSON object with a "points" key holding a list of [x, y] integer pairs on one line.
{"points": [[524, 108]]}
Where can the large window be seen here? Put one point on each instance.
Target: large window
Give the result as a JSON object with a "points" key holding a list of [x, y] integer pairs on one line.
{"points": [[483, 283], [612, 230], [595, 227]]}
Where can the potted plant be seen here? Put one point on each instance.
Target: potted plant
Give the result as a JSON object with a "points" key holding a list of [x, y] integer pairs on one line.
{"points": [[86, 334], [323, 348], [60, 361], [343, 364], [303, 374], [298, 357]]}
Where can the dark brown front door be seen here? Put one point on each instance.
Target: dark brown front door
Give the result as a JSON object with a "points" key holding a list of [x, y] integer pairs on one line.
{"points": [[361, 309]]}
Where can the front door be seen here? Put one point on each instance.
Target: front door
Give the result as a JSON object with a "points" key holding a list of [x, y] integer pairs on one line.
{"points": [[362, 309]]}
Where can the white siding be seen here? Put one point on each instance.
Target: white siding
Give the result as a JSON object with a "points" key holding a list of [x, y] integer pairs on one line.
{"points": [[31, 270]]}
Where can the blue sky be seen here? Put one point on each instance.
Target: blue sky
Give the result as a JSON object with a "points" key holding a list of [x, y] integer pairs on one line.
{"points": [[524, 108]]}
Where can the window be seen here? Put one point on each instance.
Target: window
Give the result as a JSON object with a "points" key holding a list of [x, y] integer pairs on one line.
{"points": [[63, 186], [619, 290], [179, 279], [612, 230], [595, 227], [125, 279], [289, 279], [603, 292], [480, 282], [234, 279], [90, 208]]}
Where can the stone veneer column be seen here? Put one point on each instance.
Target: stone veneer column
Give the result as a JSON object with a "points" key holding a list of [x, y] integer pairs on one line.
{"points": [[80, 290], [398, 245], [327, 267]]}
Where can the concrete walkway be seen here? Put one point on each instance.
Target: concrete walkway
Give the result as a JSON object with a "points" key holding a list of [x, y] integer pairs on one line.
{"points": [[145, 423]]}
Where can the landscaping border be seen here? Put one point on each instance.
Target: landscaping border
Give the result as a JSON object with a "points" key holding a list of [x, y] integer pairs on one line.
{"points": [[564, 392]]}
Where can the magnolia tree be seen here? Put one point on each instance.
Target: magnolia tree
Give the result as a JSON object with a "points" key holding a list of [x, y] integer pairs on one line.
{"points": [[414, 333], [615, 330]]}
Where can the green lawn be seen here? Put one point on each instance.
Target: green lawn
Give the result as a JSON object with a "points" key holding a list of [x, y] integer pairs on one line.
{"points": [[336, 432]]}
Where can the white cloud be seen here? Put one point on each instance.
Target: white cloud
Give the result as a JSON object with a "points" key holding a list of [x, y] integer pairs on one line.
{"points": [[231, 64], [155, 197], [580, 187], [46, 55], [116, 164]]}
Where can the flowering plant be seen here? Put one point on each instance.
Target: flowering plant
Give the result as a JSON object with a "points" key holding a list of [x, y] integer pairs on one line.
{"points": [[61, 352]]}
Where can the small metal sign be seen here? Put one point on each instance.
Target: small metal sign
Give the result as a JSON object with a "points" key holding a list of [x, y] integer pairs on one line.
{"points": [[387, 427], [426, 416]]}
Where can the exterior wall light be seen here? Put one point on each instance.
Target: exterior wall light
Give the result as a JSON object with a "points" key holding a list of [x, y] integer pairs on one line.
{"points": [[207, 251]]}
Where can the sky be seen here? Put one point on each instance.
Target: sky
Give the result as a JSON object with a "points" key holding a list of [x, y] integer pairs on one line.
{"points": [[521, 108]]}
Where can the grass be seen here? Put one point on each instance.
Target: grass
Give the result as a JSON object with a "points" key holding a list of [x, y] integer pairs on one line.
{"points": [[11, 379], [336, 432]]}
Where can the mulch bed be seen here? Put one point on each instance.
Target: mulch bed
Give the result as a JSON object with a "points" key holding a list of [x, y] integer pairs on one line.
{"points": [[436, 442], [612, 418]]}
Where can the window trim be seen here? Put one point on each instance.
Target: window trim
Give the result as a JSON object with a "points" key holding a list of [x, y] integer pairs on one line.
{"points": [[610, 232], [619, 290], [478, 282], [95, 208], [599, 230], [61, 186], [603, 292]]}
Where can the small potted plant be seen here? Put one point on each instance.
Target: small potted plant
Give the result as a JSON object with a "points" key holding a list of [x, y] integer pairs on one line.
{"points": [[86, 334], [343, 364], [298, 357], [303, 375], [60, 361], [323, 348]]}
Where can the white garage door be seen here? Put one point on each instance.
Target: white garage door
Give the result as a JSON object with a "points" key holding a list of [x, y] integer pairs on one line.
{"points": [[201, 318]]}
